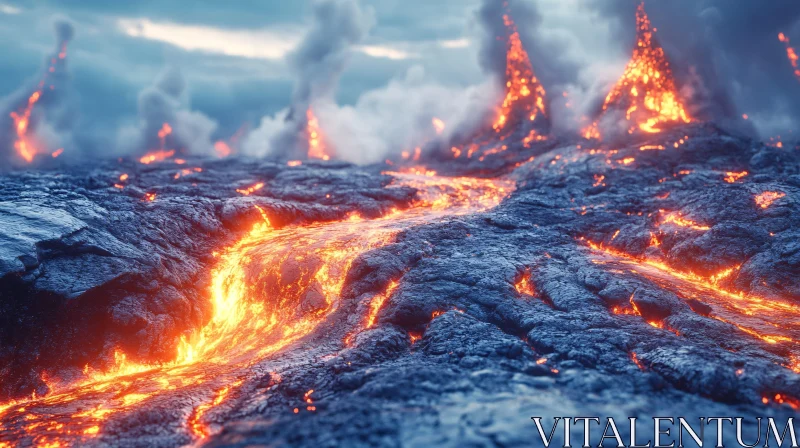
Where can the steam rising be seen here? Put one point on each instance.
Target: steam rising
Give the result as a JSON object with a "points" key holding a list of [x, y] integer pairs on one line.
{"points": [[317, 64], [164, 102]]}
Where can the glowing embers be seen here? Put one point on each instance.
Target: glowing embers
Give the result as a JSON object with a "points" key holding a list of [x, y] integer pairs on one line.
{"points": [[156, 156], [635, 360], [222, 149], [646, 92], [766, 198], [251, 189], [316, 142], [790, 54], [24, 143], [376, 304], [631, 309], [186, 172], [771, 321], [733, 176], [782, 399]]}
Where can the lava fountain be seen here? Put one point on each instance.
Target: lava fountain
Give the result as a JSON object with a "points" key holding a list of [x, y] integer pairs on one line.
{"points": [[25, 144], [791, 54], [523, 105], [269, 290], [317, 148], [646, 91]]}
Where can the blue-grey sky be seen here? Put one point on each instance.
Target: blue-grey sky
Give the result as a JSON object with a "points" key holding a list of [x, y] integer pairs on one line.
{"points": [[231, 53]]}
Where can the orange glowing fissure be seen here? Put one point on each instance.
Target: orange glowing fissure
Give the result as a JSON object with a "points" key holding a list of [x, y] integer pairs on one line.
{"points": [[769, 320], [646, 91], [268, 290]]}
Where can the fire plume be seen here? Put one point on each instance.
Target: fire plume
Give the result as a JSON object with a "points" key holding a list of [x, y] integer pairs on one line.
{"points": [[316, 141], [791, 54], [24, 144], [646, 91]]}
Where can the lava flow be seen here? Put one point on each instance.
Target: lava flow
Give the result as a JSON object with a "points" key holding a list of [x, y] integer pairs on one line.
{"points": [[771, 321], [646, 91], [268, 290]]}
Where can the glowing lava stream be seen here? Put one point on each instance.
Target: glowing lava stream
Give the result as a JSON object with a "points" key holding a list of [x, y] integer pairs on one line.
{"points": [[771, 321], [269, 290]]}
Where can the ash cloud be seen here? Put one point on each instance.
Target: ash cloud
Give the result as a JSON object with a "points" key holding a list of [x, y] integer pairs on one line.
{"points": [[317, 64], [165, 101], [53, 117]]}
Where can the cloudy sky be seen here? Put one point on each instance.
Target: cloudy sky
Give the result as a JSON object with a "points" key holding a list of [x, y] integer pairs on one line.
{"points": [[232, 54]]}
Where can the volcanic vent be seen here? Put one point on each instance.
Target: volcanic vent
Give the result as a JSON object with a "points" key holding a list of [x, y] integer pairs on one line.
{"points": [[522, 114], [646, 92]]}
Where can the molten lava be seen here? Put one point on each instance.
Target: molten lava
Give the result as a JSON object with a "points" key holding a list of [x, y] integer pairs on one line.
{"points": [[771, 321], [791, 54], [250, 190], [731, 177], [765, 199], [646, 91], [316, 141], [162, 153], [524, 286], [268, 290]]}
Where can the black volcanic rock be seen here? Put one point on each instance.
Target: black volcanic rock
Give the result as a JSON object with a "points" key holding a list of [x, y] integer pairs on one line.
{"points": [[458, 356]]}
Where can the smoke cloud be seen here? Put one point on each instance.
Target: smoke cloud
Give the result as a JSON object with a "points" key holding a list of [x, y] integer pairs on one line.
{"points": [[49, 104], [317, 64], [162, 103]]}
